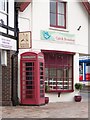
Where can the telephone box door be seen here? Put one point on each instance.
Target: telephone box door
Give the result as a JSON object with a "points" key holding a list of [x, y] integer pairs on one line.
{"points": [[28, 82]]}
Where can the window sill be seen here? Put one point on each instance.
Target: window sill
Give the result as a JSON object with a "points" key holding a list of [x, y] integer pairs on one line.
{"points": [[56, 91], [59, 29]]}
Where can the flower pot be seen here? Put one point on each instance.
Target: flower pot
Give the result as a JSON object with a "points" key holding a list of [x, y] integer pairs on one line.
{"points": [[77, 98], [46, 100]]}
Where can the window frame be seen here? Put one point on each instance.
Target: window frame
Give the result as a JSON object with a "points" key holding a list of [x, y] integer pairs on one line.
{"points": [[4, 10], [49, 65], [58, 26]]}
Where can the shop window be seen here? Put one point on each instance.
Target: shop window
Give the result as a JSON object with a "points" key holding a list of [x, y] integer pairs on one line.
{"points": [[58, 72], [81, 71], [57, 14]]}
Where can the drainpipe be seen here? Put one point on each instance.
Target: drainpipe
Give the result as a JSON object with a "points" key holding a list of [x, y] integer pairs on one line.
{"points": [[14, 84]]}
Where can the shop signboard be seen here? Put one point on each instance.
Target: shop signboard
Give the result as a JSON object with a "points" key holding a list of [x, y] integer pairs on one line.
{"points": [[7, 43], [57, 36], [24, 40]]}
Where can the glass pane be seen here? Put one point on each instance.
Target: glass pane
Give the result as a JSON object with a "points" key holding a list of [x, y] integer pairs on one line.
{"points": [[29, 87], [70, 72], [28, 73], [52, 19], [60, 8], [52, 72], [60, 20], [29, 92], [29, 82], [59, 73], [29, 69], [29, 64], [53, 6], [41, 73], [29, 96], [41, 64], [41, 77], [29, 78], [41, 68]]}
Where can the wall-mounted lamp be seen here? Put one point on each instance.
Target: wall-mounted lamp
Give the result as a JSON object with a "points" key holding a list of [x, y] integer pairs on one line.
{"points": [[79, 28]]}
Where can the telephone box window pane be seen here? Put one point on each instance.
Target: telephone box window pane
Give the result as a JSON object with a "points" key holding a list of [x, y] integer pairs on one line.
{"points": [[41, 82], [29, 96], [41, 64], [42, 95], [28, 73], [41, 73], [29, 69], [29, 78], [41, 68], [29, 87], [29, 82], [41, 91], [29, 64], [29, 92], [41, 77]]}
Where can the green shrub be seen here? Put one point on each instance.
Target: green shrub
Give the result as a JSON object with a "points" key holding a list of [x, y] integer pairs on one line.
{"points": [[78, 86]]}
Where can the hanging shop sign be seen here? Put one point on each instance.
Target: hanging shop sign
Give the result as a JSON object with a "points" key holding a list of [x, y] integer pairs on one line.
{"points": [[7, 43], [57, 36], [24, 40]]}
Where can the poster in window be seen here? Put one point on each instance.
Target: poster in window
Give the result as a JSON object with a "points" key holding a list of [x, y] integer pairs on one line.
{"points": [[24, 40], [80, 72]]}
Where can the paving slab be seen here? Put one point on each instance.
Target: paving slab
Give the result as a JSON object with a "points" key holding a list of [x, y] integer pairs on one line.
{"points": [[51, 110]]}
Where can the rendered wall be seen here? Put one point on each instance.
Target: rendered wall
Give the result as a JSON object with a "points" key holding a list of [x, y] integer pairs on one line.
{"points": [[38, 13]]}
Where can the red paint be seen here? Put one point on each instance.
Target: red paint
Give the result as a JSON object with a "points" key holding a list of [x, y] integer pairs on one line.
{"points": [[32, 78], [86, 5], [24, 5], [58, 62], [88, 77]]}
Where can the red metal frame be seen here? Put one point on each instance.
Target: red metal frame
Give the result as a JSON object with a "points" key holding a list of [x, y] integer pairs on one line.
{"points": [[31, 88], [52, 62], [57, 16]]}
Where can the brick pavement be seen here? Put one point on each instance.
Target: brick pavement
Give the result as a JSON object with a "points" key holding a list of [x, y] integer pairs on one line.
{"points": [[51, 110]]}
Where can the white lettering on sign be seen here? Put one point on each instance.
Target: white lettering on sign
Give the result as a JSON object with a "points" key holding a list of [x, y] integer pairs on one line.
{"points": [[29, 57], [41, 57], [7, 43]]}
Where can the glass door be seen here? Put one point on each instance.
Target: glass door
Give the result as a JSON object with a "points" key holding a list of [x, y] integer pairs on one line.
{"points": [[28, 86]]}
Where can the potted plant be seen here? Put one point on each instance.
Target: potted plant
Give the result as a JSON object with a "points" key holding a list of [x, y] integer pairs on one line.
{"points": [[78, 97]]}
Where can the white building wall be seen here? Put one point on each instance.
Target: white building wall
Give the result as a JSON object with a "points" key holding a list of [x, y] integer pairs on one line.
{"points": [[25, 19], [74, 20], [39, 19]]}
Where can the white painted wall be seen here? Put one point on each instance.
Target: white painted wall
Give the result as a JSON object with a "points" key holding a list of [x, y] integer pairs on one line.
{"points": [[25, 19], [77, 16], [37, 18]]}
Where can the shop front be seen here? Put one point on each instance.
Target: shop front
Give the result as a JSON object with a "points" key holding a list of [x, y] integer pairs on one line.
{"points": [[58, 71]]}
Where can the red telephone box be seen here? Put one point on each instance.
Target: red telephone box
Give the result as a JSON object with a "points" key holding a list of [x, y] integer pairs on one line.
{"points": [[32, 78]]}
